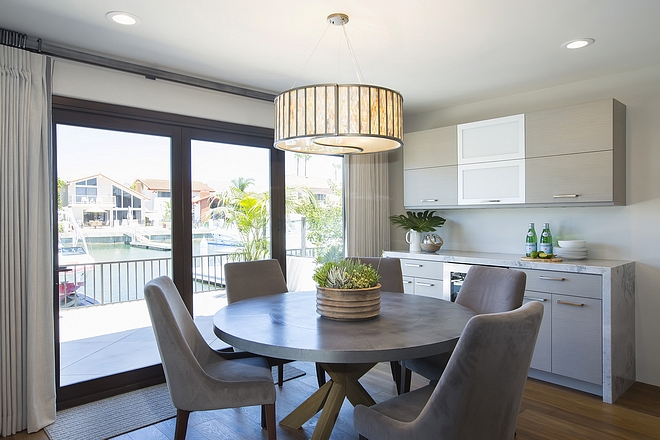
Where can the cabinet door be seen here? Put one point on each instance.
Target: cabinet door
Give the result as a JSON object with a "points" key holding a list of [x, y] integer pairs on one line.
{"points": [[430, 148], [492, 183], [491, 140], [577, 335], [574, 129], [428, 287], [542, 359], [430, 187], [570, 179]]}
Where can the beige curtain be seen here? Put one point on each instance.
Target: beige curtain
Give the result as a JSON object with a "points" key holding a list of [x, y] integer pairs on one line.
{"points": [[366, 204], [27, 361]]}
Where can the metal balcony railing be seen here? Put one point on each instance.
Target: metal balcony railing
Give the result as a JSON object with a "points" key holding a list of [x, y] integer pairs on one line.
{"points": [[84, 285]]}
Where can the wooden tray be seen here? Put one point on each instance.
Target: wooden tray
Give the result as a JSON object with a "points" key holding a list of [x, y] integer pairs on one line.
{"points": [[543, 260]]}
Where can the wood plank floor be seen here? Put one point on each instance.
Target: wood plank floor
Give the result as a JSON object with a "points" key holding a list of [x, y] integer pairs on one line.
{"points": [[547, 412]]}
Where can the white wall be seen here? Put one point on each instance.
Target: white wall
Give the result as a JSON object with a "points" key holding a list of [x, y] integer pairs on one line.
{"points": [[76, 80], [630, 232]]}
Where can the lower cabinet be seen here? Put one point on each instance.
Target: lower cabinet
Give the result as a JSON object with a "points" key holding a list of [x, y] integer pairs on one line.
{"points": [[422, 277], [570, 341]]}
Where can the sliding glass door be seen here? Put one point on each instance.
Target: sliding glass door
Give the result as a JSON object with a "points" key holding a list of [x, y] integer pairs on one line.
{"points": [[142, 194], [231, 218]]}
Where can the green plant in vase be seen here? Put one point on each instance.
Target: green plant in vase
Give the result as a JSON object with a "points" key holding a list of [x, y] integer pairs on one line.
{"points": [[347, 290], [416, 223]]}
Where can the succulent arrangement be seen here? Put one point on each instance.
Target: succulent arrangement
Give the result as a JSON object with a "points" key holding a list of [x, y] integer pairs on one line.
{"points": [[346, 274], [425, 221]]}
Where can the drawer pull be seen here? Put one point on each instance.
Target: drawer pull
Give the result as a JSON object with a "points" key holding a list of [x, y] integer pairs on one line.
{"points": [[565, 196], [407, 282], [429, 200], [425, 284], [552, 278], [490, 201], [414, 265], [570, 303], [535, 299]]}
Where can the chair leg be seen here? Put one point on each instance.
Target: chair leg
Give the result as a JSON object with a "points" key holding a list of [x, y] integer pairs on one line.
{"points": [[268, 412], [320, 375], [406, 379], [181, 424], [395, 366], [280, 375]]}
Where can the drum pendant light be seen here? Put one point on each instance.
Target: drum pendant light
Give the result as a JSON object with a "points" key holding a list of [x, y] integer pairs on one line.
{"points": [[339, 118]]}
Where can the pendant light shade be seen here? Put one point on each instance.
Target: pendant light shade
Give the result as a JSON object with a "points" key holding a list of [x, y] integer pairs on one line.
{"points": [[338, 118]]}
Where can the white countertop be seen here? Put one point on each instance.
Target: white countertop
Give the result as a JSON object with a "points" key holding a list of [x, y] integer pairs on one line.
{"points": [[512, 260]]}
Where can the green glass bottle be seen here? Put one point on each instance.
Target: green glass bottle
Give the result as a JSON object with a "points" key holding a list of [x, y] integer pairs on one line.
{"points": [[531, 240], [545, 244]]}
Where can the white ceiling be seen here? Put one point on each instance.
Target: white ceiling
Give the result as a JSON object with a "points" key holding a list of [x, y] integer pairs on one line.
{"points": [[437, 53]]}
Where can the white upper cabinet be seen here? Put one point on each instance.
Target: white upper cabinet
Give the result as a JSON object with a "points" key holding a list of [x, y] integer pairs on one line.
{"points": [[491, 140], [492, 183]]}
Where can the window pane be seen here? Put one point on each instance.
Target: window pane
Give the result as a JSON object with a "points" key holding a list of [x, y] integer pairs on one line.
{"points": [[314, 226], [110, 250], [230, 216]]}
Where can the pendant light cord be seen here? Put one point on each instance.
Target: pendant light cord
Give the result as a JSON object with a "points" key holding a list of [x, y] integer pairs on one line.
{"points": [[351, 52], [310, 57], [356, 66]]}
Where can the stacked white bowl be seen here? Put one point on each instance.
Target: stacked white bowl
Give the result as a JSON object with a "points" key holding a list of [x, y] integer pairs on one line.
{"points": [[571, 249]]}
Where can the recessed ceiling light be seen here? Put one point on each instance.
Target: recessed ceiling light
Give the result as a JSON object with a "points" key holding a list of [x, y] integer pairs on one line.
{"points": [[124, 18], [578, 44]]}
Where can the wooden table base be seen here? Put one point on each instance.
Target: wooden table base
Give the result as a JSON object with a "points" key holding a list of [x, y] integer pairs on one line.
{"points": [[343, 383]]}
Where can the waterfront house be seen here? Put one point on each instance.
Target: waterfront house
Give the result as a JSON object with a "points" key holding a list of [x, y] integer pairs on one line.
{"points": [[98, 200], [159, 193]]}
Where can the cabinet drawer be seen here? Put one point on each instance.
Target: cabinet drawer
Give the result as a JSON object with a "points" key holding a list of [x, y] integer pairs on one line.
{"points": [[422, 268], [577, 335], [408, 285], [577, 284], [428, 287], [542, 359]]}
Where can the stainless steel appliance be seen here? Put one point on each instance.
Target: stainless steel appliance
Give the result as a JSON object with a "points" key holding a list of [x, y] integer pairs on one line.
{"points": [[453, 275]]}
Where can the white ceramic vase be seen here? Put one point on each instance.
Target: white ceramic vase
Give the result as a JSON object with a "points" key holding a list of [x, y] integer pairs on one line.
{"points": [[414, 239]]}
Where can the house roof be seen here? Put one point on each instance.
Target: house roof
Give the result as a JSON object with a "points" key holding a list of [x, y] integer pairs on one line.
{"points": [[114, 182], [164, 185]]}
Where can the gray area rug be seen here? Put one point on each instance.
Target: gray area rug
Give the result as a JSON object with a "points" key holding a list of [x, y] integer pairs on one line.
{"points": [[124, 413]]}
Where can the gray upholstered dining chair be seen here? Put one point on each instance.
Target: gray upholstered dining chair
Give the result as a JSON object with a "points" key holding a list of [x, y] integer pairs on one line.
{"points": [[477, 397], [484, 290], [249, 279], [199, 378]]}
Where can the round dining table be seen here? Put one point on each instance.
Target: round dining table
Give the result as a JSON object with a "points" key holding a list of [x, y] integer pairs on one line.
{"points": [[287, 326]]}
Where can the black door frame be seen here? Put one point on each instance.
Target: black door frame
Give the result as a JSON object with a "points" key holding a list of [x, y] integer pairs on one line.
{"points": [[181, 130]]}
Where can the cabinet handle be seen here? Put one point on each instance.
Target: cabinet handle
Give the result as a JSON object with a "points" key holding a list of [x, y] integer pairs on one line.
{"points": [[413, 265], [565, 196], [569, 303], [426, 284], [407, 282], [490, 201], [552, 278], [535, 299], [429, 200]]}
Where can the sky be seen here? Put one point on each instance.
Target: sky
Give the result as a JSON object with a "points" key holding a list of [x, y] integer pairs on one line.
{"points": [[125, 157]]}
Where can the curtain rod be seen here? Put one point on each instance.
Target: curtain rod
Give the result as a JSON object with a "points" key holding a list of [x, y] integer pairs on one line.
{"points": [[22, 41]]}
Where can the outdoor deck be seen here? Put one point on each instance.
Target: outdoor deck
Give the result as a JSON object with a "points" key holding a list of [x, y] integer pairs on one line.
{"points": [[102, 340]]}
